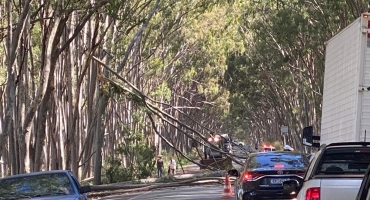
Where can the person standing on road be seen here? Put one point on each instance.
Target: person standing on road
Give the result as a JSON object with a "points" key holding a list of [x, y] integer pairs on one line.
{"points": [[160, 166], [172, 166]]}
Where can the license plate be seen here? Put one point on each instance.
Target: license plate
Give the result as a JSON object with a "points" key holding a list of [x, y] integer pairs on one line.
{"points": [[278, 180]]}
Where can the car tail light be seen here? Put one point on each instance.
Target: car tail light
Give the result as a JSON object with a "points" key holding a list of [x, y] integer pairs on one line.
{"points": [[313, 193], [247, 176]]}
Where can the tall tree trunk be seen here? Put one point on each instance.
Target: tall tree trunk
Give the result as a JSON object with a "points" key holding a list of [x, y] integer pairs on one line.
{"points": [[13, 40], [40, 131], [99, 134]]}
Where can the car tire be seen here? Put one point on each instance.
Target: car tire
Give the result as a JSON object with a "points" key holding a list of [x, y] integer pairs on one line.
{"points": [[246, 197]]}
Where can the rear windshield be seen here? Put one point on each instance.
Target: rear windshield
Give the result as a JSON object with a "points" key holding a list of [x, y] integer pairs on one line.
{"points": [[354, 162], [277, 160]]}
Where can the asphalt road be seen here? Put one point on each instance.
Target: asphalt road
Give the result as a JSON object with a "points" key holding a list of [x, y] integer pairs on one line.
{"points": [[183, 193]]}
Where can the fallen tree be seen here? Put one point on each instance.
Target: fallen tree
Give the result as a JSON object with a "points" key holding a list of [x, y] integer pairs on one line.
{"points": [[105, 190]]}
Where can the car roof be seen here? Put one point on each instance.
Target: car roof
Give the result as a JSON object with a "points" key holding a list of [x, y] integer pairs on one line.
{"points": [[35, 173], [277, 153], [347, 144]]}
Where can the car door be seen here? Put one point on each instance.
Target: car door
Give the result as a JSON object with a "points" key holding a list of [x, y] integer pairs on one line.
{"points": [[364, 192]]}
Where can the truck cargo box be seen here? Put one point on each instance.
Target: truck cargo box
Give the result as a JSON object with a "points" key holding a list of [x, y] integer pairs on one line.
{"points": [[346, 95]]}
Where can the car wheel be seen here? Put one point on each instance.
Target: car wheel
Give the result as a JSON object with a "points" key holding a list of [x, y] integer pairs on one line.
{"points": [[246, 197]]}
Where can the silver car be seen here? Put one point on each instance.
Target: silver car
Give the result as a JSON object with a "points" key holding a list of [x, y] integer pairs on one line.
{"points": [[56, 184]]}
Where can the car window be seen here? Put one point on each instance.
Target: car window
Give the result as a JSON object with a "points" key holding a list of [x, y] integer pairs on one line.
{"points": [[274, 160], [37, 185], [337, 162]]}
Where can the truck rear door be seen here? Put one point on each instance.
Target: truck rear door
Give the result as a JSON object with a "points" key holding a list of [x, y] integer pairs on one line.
{"points": [[339, 188], [340, 171]]}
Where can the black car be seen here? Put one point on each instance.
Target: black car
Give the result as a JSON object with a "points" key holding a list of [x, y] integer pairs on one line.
{"points": [[264, 172]]}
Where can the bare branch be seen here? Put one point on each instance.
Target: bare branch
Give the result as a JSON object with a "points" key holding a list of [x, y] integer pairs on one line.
{"points": [[137, 35]]}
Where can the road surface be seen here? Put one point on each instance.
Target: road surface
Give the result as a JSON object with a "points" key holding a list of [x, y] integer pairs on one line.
{"points": [[183, 193]]}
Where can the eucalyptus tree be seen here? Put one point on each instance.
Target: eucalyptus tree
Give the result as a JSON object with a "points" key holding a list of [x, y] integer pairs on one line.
{"points": [[177, 58], [39, 27], [284, 63], [197, 83]]}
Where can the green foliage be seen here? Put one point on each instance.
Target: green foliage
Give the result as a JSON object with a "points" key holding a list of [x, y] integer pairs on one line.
{"points": [[131, 11], [137, 153], [162, 91], [278, 77], [115, 172], [257, 76], [142, 164], [145, 161]]}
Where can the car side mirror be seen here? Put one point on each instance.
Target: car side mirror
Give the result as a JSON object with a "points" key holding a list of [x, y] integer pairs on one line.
{"points": [[233, 172], [85, 189], [308, 137], [291, 185]]}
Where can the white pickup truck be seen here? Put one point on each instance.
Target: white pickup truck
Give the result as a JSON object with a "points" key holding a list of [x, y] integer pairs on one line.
{"points": [[335, 172]]}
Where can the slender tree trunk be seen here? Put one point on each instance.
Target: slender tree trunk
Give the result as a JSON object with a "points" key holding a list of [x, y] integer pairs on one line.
{"points": [[40, 132], [99, 136]]}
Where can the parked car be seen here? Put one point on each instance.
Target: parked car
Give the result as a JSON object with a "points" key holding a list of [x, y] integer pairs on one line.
{"points": [[264, 172], [56, 184], [335, 172]]}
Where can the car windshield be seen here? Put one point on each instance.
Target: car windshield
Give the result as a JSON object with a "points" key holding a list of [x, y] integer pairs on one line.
{"points": [[277, 160], [35, 186], [355, 162]]}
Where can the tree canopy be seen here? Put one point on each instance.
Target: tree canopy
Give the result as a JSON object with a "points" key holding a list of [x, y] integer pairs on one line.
{"points": [[101, 86]]}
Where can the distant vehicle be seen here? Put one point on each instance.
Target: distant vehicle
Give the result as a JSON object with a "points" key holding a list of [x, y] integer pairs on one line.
{"points": [[267, 148], [223, 142], [50, 185], [242, 151], [336, 172], [264, 172], [237, 143]]}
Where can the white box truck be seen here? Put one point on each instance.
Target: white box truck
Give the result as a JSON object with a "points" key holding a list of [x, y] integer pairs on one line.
{"points": [[346, 95]]}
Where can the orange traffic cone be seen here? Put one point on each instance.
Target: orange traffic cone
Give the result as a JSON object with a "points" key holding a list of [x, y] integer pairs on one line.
{"points": [[228, 191]]}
